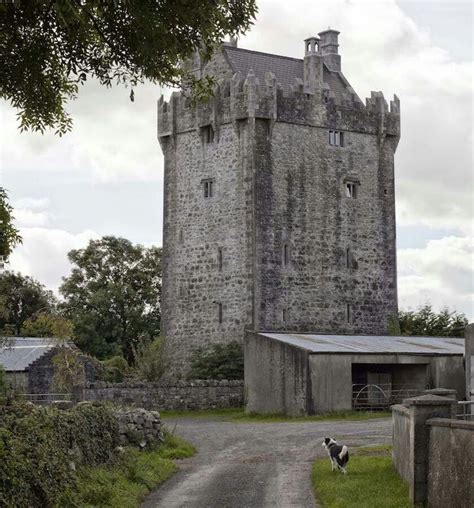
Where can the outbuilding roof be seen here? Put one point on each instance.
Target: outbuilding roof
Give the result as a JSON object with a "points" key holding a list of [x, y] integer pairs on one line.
{"points": [[21, 352], [371, 344]]}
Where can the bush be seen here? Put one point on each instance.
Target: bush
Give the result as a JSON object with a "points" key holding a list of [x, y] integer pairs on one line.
{"points": [[149, 364], [38, 447], [116, 369], [218, 361]]}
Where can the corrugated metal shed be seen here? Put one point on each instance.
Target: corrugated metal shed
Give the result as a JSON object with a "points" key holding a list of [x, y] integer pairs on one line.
{"points": [[22, 352], [370, 344]]}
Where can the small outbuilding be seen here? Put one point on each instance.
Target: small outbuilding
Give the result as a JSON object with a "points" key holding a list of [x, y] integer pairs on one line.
{"points": [[29, 367], [299, 374]]}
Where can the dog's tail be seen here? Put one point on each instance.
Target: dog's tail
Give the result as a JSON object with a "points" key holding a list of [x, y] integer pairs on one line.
{"points": [[344, 452]]}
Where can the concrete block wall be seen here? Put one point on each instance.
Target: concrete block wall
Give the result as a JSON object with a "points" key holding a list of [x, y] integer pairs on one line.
{"points": [[451, 463]]}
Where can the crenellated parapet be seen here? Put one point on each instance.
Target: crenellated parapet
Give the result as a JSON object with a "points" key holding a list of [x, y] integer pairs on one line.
{"points": [[247, 97]]}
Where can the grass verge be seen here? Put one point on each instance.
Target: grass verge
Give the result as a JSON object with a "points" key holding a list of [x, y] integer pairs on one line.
{"points": [[126, 481], [372, 481], [238, 415]]}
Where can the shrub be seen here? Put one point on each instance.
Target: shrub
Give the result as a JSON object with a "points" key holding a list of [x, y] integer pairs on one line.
{"points": [[149, 364], [39, 445], [116, 369], [218, 361]]}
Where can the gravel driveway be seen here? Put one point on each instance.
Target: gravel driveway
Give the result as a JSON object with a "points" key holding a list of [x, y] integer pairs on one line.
{"points": [[255, 464]]}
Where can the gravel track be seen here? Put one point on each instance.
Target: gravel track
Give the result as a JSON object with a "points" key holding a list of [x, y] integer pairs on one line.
{"points": [[255, 465]]}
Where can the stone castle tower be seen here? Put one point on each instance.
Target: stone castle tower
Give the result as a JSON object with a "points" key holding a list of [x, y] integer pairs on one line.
{"points": [[279, 206]]}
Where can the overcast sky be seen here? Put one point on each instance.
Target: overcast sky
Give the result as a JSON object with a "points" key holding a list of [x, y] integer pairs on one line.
{"points": [[106, 176]]}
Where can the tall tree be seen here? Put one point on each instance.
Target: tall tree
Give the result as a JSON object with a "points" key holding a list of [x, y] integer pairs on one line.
{"points": [[9, 234], [49, 48], [113, 296], [21, 297], [426, 322]]}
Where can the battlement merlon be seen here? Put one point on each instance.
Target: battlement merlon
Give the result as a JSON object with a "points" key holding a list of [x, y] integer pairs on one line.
{"points": [[319, 94], [240, 99]]}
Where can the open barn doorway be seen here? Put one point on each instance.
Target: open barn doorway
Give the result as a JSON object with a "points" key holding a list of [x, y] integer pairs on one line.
{"points": [[378, 386]]}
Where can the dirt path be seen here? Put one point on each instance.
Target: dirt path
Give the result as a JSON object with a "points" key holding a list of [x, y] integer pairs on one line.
{"points": [[255, 465]]}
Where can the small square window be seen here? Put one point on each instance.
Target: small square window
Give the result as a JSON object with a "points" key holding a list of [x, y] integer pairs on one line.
{"points": [[351, 190], [208, 134], [336, 138], [208, 188]]}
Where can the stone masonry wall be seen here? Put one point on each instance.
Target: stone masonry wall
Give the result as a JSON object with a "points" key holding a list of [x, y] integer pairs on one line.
{"points": [[301, 202], [176, 395], [276, 181], [138, 426]]}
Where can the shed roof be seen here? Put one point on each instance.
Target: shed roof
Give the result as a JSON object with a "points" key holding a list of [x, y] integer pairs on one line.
{"points": [[21, 352], [371, 344]]}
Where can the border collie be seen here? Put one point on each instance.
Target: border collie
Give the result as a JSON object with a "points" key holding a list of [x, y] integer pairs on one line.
{"points": [[338, 455]]}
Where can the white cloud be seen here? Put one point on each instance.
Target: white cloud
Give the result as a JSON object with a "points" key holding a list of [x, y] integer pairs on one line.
{"points": [[43, 254], [442, 274]]}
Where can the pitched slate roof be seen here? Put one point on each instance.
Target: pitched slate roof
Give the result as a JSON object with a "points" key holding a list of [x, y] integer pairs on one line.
{"points": [[285, 68], [371, 344], [21, 352]]}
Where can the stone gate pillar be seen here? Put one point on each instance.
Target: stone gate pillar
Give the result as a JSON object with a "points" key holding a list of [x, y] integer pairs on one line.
{"points": [[421, 409]]}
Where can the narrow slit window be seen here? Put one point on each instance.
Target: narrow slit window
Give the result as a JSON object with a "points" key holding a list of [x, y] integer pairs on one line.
{"points": [[341, 139], [348, 258], [349, 313], [181, 236], [284, 315], [351, 190], [286, 254], [219, 311], [336, 138], [208, 187], [331, 137], [219, 258]]}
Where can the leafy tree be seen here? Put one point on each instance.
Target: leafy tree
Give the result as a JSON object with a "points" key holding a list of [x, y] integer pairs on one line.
{"points": [[43, 324], [9, 235], [21, 297], [48, 49], [426, 322], [113, 296], [218, 361]]}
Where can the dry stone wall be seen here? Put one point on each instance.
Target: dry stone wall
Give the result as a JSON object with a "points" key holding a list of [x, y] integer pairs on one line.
{"points": [[174, 395], [139, 426]]}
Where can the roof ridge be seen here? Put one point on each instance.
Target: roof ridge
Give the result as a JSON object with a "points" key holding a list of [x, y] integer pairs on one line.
{"points": [[263, 53]]}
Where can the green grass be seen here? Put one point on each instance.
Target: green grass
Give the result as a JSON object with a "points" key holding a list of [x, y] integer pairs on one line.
{"points": [[371, 482], [126, 481], [238, 415]]}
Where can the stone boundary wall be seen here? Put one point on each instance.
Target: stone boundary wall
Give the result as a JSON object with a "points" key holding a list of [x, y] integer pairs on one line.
{"points": [[174, 395], [451, 463], [434, 452], [138, 426]]}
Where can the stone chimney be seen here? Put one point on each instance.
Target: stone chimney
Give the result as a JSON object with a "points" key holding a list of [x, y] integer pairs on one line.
{"points": [[232, 42], [329, 49], [312, 66]]}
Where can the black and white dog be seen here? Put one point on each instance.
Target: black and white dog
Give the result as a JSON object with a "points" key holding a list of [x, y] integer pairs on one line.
{"points": [[339, 455]]}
